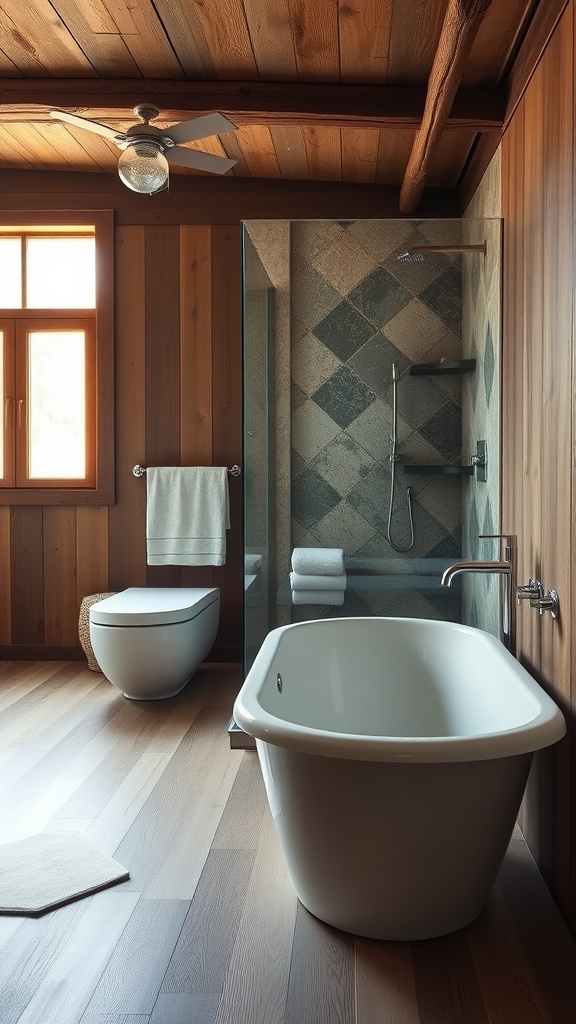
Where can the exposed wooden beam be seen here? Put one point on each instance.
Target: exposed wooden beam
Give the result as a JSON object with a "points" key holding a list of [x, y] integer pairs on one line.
{"points": [[461, 23], [245, 103]]}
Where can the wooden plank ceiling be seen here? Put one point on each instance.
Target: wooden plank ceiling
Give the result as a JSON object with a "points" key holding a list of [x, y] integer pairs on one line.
{"points": [[329, 90]]}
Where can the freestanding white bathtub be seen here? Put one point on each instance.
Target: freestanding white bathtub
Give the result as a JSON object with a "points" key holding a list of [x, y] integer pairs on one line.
{"points": [[395, 753]]}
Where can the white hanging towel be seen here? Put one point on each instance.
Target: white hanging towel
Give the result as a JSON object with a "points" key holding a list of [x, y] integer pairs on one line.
{"points": [[187, 515]]}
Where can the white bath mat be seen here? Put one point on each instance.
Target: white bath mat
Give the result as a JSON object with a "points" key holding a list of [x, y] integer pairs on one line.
{"points": [[51, 868]]}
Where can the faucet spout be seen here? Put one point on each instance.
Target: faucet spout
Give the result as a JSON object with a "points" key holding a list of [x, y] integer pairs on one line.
{"points": [[505, 567]]}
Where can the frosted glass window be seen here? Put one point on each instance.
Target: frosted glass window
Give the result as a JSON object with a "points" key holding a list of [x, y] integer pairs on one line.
{"points": [[56, 405], [60, 273], [10, 273]]}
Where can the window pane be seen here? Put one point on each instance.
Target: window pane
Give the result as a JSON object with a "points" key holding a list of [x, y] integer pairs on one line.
{"points": [[56, 405], [60, 273], [10, 273]]}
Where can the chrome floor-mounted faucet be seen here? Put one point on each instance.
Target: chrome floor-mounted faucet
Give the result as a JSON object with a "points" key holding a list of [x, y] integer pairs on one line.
{"points": [[505, 567]]}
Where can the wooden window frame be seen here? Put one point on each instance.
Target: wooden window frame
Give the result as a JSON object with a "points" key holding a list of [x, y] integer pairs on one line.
{"points": [[100, 403]]}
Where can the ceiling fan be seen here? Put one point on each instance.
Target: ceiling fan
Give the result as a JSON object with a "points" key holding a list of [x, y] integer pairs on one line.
{"points": [[147, 150]]}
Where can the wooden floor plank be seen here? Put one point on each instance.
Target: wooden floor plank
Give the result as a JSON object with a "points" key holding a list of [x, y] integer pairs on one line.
{"points": [[509, 987], [185, 1009], [256, 982], [321, 986], [202, 954], [385, 986], [29, 956], [134, 973], [167, 845], [447, 987], [110, 827], [544, 938], [240, 826], [67, 987]]}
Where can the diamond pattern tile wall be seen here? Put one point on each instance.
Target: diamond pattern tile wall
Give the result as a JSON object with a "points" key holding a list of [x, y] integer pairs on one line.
{"points": [[356, 311]]}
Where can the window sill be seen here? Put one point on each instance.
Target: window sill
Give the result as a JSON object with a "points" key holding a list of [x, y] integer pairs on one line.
{"points": [[56, 496]]}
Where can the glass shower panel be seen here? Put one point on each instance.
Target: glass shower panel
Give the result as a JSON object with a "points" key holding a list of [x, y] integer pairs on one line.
{"points": [[259, 475]]}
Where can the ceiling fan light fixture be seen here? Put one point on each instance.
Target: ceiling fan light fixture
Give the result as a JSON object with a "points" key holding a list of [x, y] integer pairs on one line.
{"points": [[143, 167]]}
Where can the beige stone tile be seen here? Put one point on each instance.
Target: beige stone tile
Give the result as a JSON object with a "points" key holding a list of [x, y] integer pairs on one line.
{"points": [[312, 430], [312, 363], [344, 264]]}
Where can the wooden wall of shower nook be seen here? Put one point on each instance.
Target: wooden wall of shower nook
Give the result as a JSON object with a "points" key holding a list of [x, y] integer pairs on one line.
{"points": [[178, 344], [538, 176], [178, 363]]}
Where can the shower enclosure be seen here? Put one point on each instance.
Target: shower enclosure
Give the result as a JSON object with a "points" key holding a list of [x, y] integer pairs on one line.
{"points": [[391, 377]]}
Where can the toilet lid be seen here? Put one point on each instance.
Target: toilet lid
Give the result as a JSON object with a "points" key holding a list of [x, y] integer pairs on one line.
{"points": [[152, 606]]}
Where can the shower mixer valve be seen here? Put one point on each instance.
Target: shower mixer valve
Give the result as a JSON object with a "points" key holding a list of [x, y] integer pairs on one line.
{"points": [[534, 592]]}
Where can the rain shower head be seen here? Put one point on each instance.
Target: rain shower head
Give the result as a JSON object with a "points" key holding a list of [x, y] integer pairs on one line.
{"points": [[419, 252]]}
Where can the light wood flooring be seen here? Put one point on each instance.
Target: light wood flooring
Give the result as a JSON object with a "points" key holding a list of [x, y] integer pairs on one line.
{"points": [[207, 929]]}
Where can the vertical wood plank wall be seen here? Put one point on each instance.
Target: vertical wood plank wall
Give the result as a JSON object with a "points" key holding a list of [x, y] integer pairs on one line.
{"points": [[178, 387], [538, 425], [178, 400]]}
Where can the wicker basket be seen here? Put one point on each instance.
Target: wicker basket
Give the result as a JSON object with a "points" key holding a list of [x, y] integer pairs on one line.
{"points": [[84, 628]]}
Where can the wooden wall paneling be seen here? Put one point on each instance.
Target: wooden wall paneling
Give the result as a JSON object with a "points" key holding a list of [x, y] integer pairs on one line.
{"points": [[162, 298], [27, 574], [60, 605], [5, 594], [227, 417], [538, 208], [91, 551], [196, 362], [126, 519]]}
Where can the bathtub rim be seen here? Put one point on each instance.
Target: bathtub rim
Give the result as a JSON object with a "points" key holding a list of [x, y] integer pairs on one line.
{"points": [[546, 728]]}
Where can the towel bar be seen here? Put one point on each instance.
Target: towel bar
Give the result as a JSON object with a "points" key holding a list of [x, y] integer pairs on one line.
{"points": [[140, 470]]}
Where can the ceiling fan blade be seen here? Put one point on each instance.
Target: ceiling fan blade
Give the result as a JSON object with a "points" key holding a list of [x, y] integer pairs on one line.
{"points": [[91, 126], [199, 128], [200, 161]]}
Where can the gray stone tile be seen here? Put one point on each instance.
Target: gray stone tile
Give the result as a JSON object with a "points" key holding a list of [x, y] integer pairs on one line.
{"points": [[312, 498], [312, 430], [372, 430], [343, 463], [344, 396], [444, 297], [312, 363], [416, 275], [473, 531], [489, 364], [343, 527], [373, 363], [344, 330], [442, 498], [419, 398], [380, 297], [371, 498], [312, 297], [415, 330], [444, 430]]}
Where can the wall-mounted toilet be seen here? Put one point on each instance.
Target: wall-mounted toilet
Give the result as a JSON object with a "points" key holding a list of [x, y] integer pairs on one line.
{"points": [[149, 641]]}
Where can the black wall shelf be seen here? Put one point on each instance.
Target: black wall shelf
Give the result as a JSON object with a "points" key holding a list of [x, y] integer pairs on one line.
{"points": [[445, 366], [411, 469]]}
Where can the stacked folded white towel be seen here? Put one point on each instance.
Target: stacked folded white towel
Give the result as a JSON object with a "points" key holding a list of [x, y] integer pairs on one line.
{"points": [[318, 576]]}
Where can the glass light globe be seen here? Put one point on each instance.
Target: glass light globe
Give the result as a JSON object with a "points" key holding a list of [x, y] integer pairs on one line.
{"points": [[143, 167]]}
